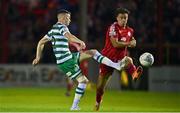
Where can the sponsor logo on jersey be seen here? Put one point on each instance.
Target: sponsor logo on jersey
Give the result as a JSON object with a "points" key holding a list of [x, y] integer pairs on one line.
{"points": [[69, 73]]}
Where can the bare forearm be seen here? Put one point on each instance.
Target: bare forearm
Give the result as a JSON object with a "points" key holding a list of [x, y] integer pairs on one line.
{"points": [[40, 48], [118, 44], [126, 44], [122, 44]]}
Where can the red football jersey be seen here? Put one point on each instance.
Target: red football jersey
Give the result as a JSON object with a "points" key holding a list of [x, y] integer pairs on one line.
{"points": [[123, 34]]}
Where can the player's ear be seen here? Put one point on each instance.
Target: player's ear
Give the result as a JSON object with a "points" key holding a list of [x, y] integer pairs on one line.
{"points": [[116, 17]]}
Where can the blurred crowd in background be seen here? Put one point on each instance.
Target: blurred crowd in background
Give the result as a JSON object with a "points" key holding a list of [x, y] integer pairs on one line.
{"points": [[26, 21]]}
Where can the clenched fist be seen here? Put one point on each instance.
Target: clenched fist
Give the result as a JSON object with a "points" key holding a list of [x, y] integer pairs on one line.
{"points": [[35, 61]]}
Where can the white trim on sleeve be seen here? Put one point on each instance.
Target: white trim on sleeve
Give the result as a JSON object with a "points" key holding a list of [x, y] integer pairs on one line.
{"points": [[49, 38]]}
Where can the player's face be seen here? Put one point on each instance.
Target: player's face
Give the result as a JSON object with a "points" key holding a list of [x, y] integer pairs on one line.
{"points": [[67, 19], [122, 19]]}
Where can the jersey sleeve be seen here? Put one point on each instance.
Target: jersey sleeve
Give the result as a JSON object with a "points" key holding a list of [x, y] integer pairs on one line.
{"points": [[113, 31], [46, 36], [49, 35]]}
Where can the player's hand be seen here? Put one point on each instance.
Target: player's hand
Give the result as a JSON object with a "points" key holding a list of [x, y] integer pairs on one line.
{"points": [[35, 61], [132, 43], [82, 45]]}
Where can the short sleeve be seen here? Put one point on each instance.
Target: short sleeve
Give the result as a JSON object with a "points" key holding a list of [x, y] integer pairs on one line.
{"points": [[49, 38], [49, 35]]}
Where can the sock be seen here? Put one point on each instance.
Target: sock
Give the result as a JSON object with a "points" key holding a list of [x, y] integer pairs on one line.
{"points": [[104, 60], [131, 68], [78, 94]]}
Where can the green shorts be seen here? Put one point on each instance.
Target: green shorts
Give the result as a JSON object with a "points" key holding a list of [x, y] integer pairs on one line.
{"points": [[71, 67]]}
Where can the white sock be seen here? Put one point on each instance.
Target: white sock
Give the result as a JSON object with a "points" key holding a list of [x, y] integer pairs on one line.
{"points": [[102, 59], [78, 94]]}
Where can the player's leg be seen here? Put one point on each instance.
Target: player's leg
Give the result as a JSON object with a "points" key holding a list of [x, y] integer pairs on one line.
{"points": [[101, 85], [104, 76], [82, 83], [73, 71], [132, 70], [100, 58], [69, 86]]}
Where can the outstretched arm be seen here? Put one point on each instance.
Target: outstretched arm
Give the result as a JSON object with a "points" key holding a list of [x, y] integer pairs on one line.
{"points": [[73, 38], [40, 48]]}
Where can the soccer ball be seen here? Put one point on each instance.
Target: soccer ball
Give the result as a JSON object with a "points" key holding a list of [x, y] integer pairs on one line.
{"points": [[146, 59]]}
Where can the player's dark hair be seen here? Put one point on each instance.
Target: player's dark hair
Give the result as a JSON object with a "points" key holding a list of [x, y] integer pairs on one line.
{"points": [[121, 11], [63, 11]]}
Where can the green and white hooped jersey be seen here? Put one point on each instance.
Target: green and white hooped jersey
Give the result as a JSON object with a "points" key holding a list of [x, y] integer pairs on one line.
{"points": [[59, 42]]}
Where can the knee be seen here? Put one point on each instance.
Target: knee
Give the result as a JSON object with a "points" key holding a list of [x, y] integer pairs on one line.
{"points": [[90, 52], [93, 52], [86, 81], [83, 79], [129, 60]]}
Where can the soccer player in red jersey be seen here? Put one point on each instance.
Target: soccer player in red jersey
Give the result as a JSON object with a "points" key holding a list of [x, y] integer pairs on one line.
{"points": [[119, 37]]}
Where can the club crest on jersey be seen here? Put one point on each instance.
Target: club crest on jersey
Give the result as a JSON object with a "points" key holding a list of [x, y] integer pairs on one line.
{"points": [[129, 33], [69, 73]]}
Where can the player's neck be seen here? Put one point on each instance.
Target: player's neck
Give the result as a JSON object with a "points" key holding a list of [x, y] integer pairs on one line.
{"points": [[122, 26], [60, 21]]}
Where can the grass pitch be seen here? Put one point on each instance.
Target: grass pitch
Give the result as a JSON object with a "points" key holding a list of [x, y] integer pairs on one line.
{"points": [[54, 100]]}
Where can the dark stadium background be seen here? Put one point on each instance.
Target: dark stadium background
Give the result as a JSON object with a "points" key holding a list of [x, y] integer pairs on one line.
{"points": [[24, 22]]}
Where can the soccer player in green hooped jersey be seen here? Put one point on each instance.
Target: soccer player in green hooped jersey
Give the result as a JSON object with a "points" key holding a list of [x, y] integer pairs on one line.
{"points": [[68, 62]]}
